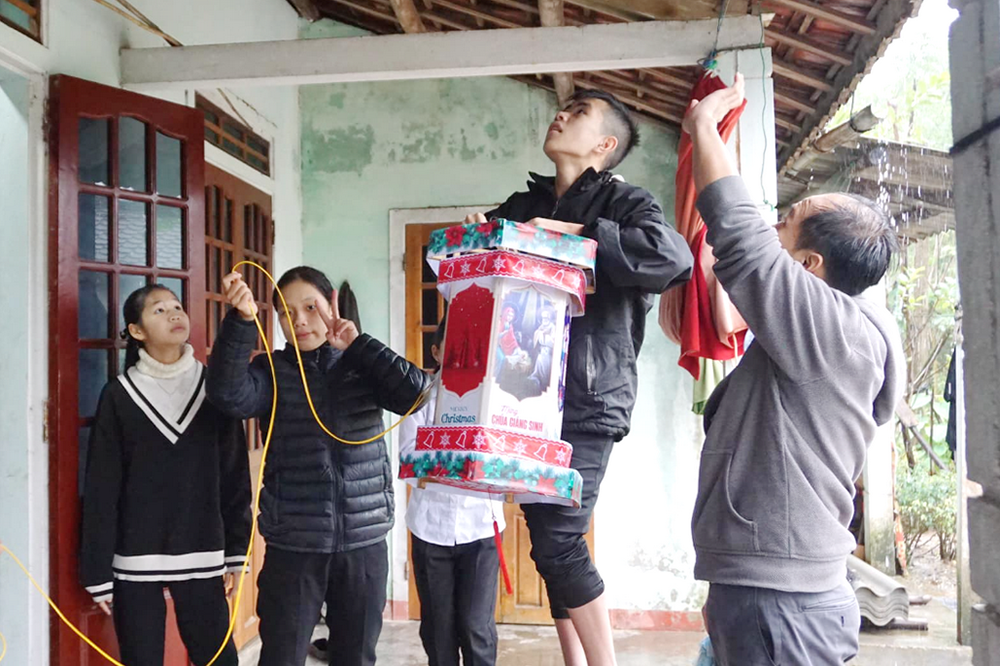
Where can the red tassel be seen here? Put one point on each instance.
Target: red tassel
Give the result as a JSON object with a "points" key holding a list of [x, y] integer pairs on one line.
{"points": [[503, 561]]}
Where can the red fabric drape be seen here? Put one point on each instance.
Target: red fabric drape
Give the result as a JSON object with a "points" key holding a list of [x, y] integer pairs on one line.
{"points": [[699, 316]]}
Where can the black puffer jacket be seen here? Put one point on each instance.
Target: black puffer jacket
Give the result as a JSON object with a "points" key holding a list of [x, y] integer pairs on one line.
{"points": [[319, 496], [638, 255]]}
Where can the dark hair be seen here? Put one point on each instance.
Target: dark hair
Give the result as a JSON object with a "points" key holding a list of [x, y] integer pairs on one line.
{"points": [[856, 240], [132, 314], [438, 337], [618, 122], [306, 274]]}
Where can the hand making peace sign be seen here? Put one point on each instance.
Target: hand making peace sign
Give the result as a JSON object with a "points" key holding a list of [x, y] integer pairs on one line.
{"points": [[340, 333]]}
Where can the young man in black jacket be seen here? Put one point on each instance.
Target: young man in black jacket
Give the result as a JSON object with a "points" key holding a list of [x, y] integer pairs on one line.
{"points": [[638, 255]]}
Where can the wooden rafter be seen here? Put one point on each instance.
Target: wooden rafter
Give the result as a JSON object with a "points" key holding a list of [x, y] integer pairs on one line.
{"points": [[307, 9], [814, 10], [829, 52], [805, 106], [782, 68], [865, 47], [638, 103], [787, 124], [550, 13], [477, 14], [408, 16]]}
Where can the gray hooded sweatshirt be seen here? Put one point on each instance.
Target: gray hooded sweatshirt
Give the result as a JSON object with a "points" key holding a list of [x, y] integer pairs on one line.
{"points": [[787, 431]]}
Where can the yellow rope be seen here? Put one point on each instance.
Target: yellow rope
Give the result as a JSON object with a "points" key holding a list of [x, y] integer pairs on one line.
{"points": [[260, 479], [302, 370], [5, 549], [3, 647]]}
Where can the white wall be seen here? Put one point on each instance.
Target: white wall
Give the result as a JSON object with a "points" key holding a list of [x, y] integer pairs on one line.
{"points": [[83, 39], [15, 457]]}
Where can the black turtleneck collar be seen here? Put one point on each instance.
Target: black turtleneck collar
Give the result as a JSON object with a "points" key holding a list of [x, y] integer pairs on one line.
{"points": [[588, 180]]}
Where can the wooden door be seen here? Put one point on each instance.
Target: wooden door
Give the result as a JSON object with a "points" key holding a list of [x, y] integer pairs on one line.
{"points": [[529, 604], [126, 205], [238, 226]]}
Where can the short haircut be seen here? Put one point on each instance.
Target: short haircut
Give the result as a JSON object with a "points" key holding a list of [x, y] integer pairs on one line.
{"points": [[856, 239], [618, 122]]}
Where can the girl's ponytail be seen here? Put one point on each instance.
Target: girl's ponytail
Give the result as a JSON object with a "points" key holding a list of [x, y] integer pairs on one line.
{"points": [[132, 347]]}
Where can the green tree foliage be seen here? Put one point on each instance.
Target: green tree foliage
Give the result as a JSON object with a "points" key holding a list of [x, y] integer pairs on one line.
{"points": [[928, 507]]}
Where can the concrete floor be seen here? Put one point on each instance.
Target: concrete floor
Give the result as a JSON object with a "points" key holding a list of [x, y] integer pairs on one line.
{"points": [[538, 646]]}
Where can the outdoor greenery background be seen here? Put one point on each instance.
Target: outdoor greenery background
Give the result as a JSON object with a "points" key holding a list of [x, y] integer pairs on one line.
{"points": [[910, 89]]}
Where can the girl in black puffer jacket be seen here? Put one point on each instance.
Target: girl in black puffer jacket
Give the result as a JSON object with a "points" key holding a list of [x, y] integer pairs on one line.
{"points": [[325, 506]]}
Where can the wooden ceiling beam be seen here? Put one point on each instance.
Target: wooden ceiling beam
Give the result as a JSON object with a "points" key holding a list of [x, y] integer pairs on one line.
{"points": [[787, 124], [626, 84], [831, 53], [408, 16], [814, 10], [669, 77], [364, 9], [525, 7], [475, 13], [796, 103], [662, 10], [866, 49], [551, 15], [782, 68], [640, 104], [307, 9]]}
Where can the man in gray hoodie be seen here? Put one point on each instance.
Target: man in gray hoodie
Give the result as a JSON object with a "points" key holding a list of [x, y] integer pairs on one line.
{"points": [[787, 431]]}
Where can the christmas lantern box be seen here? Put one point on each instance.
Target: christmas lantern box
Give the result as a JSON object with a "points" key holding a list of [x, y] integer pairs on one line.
{"points": [[512, 291]]}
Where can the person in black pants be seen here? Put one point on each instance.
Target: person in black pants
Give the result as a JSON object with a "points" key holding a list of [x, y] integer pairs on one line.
{"points": [[166, 501], [326, 506], [638, 256]]}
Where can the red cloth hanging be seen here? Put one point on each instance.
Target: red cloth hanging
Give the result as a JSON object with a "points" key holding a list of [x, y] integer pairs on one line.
{"points": [[700, 317]]}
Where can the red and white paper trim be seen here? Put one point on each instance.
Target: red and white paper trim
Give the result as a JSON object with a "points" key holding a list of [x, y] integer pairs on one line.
{"points": [[492, 440], [500, 263]]}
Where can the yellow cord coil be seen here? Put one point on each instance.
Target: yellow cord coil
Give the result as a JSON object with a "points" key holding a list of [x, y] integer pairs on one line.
{"points": [[260, 479]]}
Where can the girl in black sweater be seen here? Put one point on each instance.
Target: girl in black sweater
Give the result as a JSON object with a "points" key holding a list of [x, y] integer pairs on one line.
{"points": [[326, 506], [166, 499]]}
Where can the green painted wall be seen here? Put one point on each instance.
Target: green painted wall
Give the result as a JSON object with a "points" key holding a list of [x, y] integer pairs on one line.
{"points": [[371, 147]]}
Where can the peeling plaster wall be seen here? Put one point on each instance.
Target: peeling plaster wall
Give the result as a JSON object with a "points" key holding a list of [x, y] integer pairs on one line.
{"points": [[368, 148]]}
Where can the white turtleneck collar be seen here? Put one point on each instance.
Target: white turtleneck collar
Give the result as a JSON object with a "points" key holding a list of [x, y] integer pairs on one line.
{"points": [[150, 367], [170, 394]]}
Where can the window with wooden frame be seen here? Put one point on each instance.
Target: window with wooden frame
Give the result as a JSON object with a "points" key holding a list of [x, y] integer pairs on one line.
{"points": [[234, 137], [24, 16]]}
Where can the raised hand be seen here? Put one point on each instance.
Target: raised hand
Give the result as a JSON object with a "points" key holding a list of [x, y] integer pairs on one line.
{"points": [[238, 295], [714, 107], [340, 333]]}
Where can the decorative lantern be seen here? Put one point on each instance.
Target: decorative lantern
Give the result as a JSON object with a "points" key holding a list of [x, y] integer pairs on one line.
{"points": [[512, 289]]}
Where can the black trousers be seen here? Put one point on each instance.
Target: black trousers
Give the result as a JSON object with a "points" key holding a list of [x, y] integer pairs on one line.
{"points": [[140, 615], [457, 586], [557, 544], [291, 589]]}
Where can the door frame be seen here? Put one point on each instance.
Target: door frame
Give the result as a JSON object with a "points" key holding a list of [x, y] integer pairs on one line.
{"points": [[36, 555], [72, 99], [399, 219]]}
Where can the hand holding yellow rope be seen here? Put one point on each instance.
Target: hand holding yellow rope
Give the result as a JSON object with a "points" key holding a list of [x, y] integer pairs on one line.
{"points": [[260, 479]]}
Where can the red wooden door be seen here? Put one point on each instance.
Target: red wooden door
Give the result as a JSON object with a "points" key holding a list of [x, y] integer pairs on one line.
{"points": [[126, 208]]}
